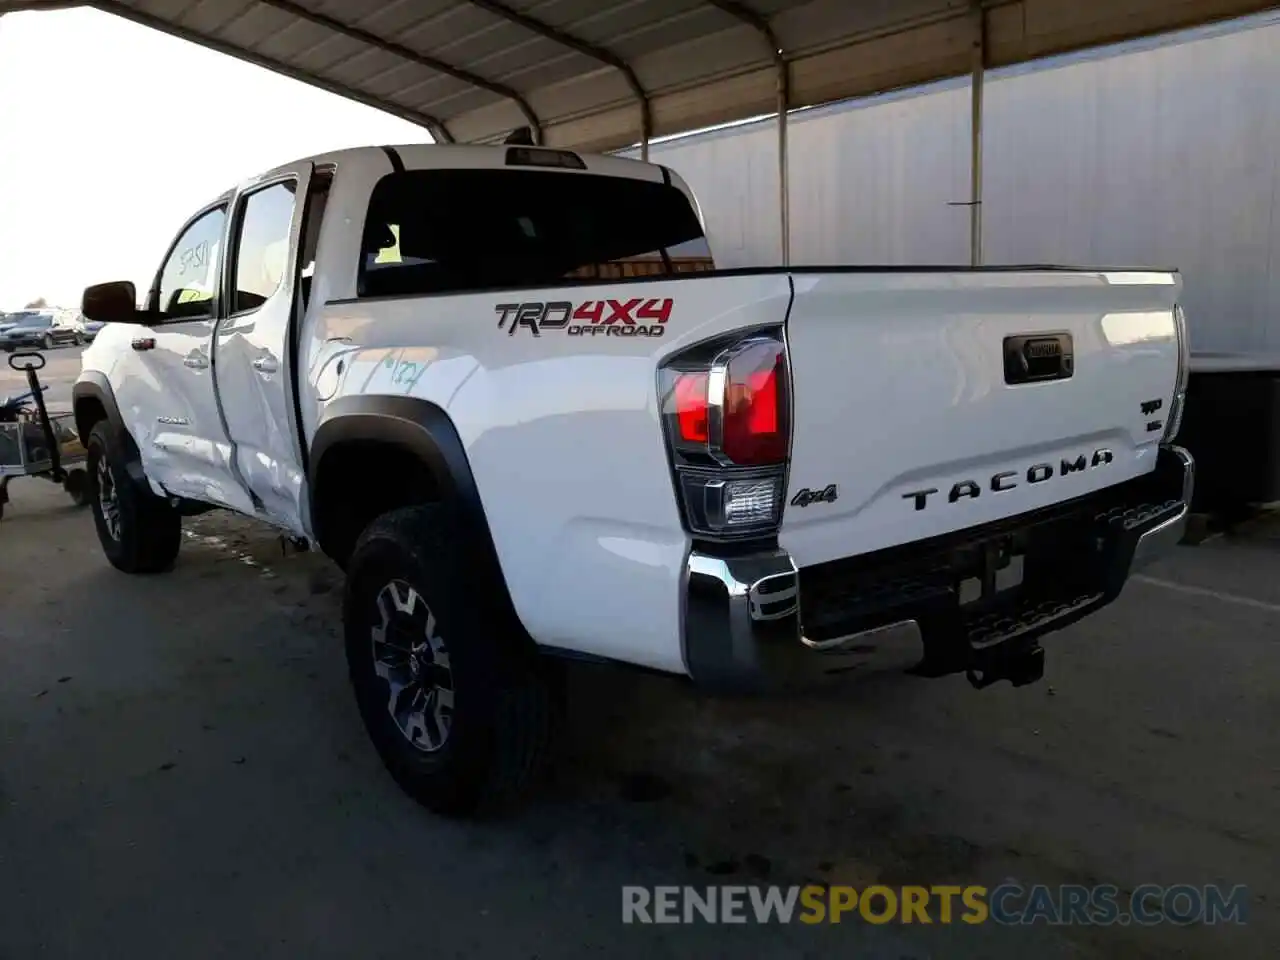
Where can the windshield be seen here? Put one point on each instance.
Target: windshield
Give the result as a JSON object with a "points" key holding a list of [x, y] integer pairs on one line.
{"points": [[435, 231]]}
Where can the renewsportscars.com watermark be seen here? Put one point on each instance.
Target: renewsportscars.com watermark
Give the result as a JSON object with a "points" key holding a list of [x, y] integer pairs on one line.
{"points": [[1010, 904]]}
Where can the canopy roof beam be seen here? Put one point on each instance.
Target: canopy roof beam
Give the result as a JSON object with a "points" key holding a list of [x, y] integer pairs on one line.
{"points": [[587, 49], [406, 53], [433, 124], [701, 64], [19, 6]]}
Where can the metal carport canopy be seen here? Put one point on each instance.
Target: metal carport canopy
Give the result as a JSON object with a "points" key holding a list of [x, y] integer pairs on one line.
{"points": [[604, 74]]}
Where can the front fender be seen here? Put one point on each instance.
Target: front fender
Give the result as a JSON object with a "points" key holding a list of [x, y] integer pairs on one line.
{"points": [[91, 399]]}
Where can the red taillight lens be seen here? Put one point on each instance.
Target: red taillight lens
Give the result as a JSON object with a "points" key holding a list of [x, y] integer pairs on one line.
{"points": [[691, 406], [725, 412], [755, 412]]}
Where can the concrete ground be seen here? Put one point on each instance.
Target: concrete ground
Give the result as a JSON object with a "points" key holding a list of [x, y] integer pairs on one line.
{"points": [[183, 774]]}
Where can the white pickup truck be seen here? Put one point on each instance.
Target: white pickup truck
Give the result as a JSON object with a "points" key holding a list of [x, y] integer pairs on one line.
{"points": [[505, 389]]}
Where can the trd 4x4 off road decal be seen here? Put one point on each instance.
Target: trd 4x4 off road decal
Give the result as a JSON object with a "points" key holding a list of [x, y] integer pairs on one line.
{"points": [[637, 317]]}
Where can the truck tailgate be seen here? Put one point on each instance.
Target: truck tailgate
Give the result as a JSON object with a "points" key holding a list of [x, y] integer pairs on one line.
{"points": [[928, 402]]}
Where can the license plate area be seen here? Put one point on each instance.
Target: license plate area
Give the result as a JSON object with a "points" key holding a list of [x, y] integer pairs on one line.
{"points": [[972, 576], [1001, 567]]}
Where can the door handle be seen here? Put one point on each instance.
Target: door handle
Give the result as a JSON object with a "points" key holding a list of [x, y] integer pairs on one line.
{"points": [[265, 364], [143, 343], [196, 362]]}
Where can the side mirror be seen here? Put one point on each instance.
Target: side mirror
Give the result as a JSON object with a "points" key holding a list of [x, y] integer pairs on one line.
{"points": [[115, 302]]}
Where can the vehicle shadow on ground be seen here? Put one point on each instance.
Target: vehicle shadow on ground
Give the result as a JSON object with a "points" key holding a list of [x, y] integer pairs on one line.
{"points": [[881, 778], [227, 677]]}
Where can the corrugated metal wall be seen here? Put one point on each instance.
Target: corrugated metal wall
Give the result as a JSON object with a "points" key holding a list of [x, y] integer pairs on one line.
{"points": [[1163, 153]]}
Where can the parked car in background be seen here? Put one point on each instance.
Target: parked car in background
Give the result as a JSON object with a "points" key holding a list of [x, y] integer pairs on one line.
{"points": [[36, 328], [86, 328]]}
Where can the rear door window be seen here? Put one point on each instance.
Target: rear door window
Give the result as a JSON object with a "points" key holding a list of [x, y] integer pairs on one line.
{"points": [[442, 231], [262, 245]]}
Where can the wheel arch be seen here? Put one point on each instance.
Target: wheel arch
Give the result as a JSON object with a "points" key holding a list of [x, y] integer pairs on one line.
{"points": [[92, 399], [93, 402], [412, 434]]}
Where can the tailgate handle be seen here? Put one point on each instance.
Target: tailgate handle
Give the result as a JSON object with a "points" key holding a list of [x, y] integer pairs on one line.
{"points": [[1037, 357]]}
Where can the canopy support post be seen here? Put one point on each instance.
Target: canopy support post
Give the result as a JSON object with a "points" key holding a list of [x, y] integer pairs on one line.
{"points": [[784, 181], [760, 23], [646, 125], [975, 134]]}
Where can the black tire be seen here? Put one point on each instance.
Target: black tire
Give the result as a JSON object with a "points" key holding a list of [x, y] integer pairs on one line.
{"points": [[499, 728], [147, 531], [79, 340], [47, 342]]}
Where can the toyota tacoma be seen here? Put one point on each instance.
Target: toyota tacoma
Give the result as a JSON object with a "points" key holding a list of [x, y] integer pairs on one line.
{"points": [[506, 389]]}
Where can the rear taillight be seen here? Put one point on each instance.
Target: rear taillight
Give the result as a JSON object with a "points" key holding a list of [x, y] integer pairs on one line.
{"points": [[691, 407], [1174, 421], [754, 411], [726, 413]]}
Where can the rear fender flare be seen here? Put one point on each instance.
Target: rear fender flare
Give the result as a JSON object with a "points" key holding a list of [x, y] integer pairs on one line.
{"points": [[423, 429]]}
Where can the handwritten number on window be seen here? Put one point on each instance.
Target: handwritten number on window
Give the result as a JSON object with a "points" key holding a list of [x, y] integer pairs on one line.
{"points": [[193, 258]]}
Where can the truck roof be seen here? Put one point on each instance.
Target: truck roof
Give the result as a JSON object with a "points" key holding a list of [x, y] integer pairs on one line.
{"points": [[427, 156]]}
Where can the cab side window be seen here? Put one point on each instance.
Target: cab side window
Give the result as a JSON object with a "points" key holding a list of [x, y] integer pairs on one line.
{"points": [[190, 275], [262, 245]]}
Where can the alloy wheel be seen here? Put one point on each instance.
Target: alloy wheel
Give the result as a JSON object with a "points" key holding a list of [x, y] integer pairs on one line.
{"points": [[108, 500], [410, 656]]}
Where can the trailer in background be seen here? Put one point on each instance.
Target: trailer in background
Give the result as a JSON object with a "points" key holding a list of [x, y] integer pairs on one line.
{"points": [[1163, 151]]}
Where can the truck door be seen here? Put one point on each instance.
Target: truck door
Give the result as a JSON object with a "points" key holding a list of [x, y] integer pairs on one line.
{"points": [[165, 387], [254, 360]]}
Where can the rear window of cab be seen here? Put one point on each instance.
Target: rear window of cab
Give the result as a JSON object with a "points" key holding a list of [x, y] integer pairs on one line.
{"points": [[452, 231]]}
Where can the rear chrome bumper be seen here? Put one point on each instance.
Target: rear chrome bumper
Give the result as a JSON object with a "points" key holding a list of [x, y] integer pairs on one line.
{"points": [[744, 625], [1164, 536]]}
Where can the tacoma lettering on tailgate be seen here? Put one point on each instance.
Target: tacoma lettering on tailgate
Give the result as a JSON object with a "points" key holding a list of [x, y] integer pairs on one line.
{"points": [[1008, 479]]}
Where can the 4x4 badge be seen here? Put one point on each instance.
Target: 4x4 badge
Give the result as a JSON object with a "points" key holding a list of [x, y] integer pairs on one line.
{"points": [[806, 496]]}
